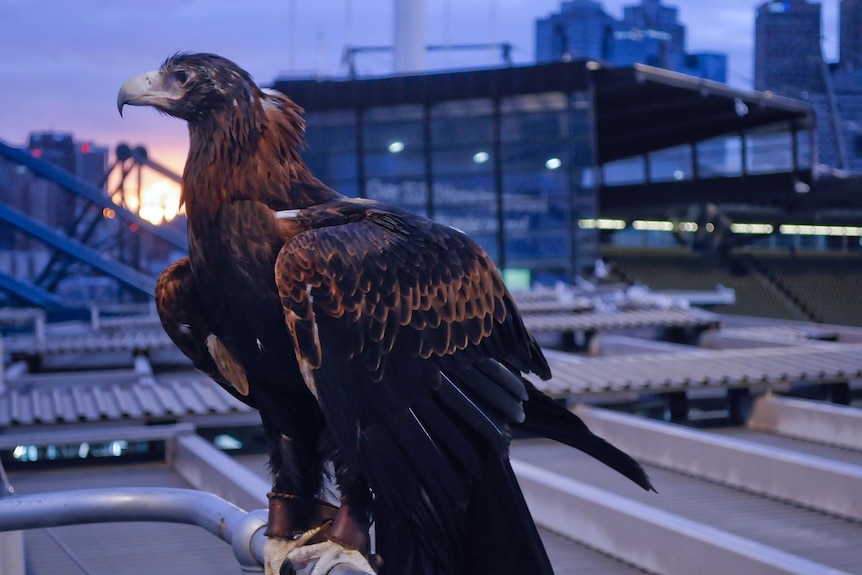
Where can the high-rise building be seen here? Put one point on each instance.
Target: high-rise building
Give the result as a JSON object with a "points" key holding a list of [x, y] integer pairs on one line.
{"points": [[787, 54], [582, 29], [41, 199], [649, 33], [82, 159], [840, 112], [651, 30], [709, 65], [850, 43]]}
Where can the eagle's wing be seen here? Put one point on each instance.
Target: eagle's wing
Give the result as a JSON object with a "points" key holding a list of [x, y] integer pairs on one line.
{"points": [[406, 334], [384, 272], [185, 321]]}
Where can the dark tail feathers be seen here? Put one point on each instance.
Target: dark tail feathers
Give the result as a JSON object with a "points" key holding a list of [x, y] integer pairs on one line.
{"points": [[547, 418], [501, 535]]}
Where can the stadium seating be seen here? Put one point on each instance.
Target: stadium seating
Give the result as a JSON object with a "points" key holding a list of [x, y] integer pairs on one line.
{"points": [[756, 294]]}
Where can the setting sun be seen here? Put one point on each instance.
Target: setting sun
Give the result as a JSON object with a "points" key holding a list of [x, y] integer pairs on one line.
{"points": [[160, 202]]}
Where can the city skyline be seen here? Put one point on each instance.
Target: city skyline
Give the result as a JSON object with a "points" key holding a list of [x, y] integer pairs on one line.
{"points": [[649, 33], [64, 63]]}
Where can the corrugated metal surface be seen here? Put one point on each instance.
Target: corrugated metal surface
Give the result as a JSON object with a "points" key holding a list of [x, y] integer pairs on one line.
{"points": [[54, 344], [546, 301], [131, 321], [629, 319], [81, 401], [143, 334], [762, 366], [777, 334]]}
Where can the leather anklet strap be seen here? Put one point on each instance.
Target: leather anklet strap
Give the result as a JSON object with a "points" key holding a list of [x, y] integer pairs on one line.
{"points": [[290, 515], [348, 532]]}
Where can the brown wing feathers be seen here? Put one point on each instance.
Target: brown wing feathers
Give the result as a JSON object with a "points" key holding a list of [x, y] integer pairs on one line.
{"points": [[187, 324], [431, 281]]}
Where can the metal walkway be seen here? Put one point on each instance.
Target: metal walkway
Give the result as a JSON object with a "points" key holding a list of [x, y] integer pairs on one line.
{"points": [[813, 542], [733, 501], [758, 368], [594, 321]]}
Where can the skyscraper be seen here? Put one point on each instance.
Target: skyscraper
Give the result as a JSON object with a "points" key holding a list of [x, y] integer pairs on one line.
{"points": [[41, 199], [787, 55], [652, 32], [850, 44], [649, 33], [81, 159], [582, 29]]}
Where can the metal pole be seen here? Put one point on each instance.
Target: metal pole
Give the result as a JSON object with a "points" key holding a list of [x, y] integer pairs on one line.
{"points": [[221, 518], [242, 530]]}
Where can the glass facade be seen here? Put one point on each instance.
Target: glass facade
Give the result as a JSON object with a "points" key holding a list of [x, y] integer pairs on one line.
{"points": [[331, 150], [518, 157], [464, 158], [513, 173], [765, 151]]}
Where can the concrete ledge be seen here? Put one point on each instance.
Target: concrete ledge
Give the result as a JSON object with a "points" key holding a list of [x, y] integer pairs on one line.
{"points": [[815, 421], [208, 469], [649, 538], [813, 482]]}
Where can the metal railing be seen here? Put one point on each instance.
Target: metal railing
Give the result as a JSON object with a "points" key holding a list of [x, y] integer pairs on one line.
{"points": [[241, 529]]}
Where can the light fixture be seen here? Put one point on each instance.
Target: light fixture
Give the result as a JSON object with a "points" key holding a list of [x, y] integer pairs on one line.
{"points": [[601, 224], [653, 225], [764, 229], [396, 147], [481, 157], [227, 442], [819, 230], [553, 163]]}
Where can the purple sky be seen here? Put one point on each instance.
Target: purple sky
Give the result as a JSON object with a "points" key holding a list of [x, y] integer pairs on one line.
{"points": [[62, 62]]}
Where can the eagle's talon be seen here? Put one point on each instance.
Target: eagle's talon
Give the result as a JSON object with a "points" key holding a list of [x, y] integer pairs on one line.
{"points": [[276, 551], [283, 556], [322, 558]]}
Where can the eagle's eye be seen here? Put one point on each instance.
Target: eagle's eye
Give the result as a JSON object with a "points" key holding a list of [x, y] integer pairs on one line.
{"points": [[182, 77]]}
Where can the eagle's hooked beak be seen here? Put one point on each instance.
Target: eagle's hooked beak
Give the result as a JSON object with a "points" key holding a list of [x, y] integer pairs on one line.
{"points": [[148, 89]]}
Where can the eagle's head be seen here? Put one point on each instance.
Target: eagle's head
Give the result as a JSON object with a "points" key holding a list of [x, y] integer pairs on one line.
{"points": [[192, 87]]}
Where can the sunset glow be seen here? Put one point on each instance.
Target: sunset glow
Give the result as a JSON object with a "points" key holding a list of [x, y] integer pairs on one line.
{"points": [[158, 197], [160, 202]]}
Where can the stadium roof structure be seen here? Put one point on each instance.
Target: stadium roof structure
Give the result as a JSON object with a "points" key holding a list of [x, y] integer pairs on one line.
{"points": [[643, 109], [638, 109]]}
